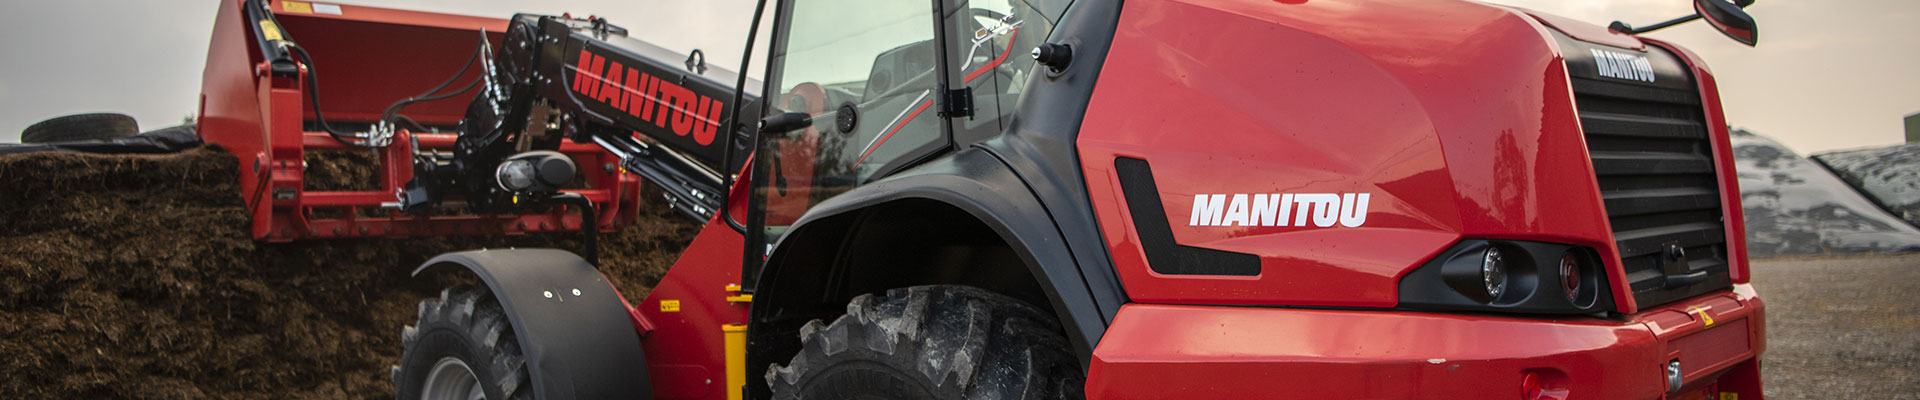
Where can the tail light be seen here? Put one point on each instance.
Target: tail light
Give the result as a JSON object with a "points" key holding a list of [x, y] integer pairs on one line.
{"points": [[1570, 277]]}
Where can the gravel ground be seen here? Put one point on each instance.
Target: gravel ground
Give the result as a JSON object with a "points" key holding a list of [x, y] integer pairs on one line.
{"points": [[1841, 328]]}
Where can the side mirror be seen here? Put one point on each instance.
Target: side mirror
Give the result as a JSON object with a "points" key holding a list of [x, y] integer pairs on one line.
{"points": [[784, 122], [1728, 17]]}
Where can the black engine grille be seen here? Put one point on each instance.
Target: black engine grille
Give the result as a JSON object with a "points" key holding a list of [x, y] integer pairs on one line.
{"points": [[1655, 168]]}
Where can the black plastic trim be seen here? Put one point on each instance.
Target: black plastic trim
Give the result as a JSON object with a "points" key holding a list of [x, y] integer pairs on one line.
{"points": [[1448, 281], [1041, 145], [1164, 255], [580, 346], [976, 182]]}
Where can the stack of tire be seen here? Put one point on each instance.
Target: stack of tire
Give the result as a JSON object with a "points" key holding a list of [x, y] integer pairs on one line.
{"points": [[101, 133], [78, 127]]}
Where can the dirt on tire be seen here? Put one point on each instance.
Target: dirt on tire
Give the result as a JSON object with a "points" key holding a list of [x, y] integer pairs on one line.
{"points": [[133, 276]]}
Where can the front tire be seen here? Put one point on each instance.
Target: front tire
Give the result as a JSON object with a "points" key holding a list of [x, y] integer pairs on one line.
{"points": [[932, 342], [462, 347]]}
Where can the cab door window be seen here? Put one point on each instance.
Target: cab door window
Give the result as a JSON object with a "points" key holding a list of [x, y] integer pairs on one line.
{"points": [[990, 42], [867, 73]]}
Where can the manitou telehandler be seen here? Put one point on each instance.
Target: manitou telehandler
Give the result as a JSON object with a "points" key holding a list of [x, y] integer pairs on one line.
{"points": [[997, 199]]}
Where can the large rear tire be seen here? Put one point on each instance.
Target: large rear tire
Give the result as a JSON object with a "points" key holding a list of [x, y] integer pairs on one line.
{"points": [[79, 127], [932, 342], [462, 347]]}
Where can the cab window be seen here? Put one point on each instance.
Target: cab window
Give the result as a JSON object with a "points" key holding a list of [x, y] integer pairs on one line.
{"points": [[866, 71]]}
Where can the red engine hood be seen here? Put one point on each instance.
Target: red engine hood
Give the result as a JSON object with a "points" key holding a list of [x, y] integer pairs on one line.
{"points": [[1583, 31], [1454, 119]]}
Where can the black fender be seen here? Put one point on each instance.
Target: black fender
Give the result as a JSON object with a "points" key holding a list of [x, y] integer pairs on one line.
{"points": [[979, 183], [579, 340]]}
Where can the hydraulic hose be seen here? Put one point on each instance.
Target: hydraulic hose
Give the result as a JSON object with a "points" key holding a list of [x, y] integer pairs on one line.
{"points": [[434, 94], [313, 94], [313, 98]]}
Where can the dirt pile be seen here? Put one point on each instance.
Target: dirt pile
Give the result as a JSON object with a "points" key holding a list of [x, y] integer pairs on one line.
{"points": [[131, 276]]}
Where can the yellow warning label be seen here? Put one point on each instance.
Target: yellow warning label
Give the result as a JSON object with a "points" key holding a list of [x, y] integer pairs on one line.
{"points": [[296, 7], [669, 306], [1729, 396], [270, 30], [1705, 318]]}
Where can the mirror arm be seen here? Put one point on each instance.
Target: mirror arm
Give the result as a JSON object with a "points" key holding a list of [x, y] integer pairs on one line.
{"points": [[1622, 27]]}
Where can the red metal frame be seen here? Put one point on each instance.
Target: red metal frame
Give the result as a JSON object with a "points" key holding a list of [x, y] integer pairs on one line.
{"points": [[370, 57], [684, 343]]}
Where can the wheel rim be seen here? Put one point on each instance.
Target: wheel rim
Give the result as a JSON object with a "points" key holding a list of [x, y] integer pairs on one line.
{"points": [[451, 379]]}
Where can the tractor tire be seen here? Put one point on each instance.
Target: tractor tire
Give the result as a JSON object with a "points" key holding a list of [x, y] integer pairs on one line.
{"points": [[79, 127], [932, 342], [463, 345]]}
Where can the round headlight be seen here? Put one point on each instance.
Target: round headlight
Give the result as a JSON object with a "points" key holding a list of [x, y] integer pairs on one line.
{"points": [[515, 175], [1570, 276], [1493, 272]]}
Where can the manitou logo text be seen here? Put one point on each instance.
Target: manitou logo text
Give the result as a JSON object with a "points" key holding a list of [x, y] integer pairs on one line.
{"points": [[1617, 65], [644, 96], [1280, 209]]}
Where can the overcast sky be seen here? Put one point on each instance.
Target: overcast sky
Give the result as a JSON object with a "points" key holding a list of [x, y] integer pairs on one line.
{"points": [[1829, 74]]}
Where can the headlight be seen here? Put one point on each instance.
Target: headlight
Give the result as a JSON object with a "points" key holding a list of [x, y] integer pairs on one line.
{"points": [[1493, 273], [534, 172], [1509, 276], [515, 175]]}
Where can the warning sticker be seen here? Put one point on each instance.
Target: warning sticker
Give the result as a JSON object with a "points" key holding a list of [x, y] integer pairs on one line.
{"points": [[331, 9], [270, 30], [1706, 319], [296, 7]]}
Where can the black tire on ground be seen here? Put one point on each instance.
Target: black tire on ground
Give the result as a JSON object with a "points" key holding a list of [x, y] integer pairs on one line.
{"points": [[932, 342], [80, 127], [467, 325]]}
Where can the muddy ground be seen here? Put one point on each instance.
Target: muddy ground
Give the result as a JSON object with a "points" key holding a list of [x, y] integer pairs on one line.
{"points": [[134, 277], [1841, 328]]}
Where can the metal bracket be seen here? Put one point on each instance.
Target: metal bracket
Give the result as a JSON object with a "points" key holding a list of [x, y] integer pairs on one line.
{"points": [[956, 103], [697, 62]]}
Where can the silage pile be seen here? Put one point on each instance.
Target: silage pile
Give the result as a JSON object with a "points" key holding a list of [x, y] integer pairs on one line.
{"points": [[133, 276], [1890, 176], [1795, 207]]}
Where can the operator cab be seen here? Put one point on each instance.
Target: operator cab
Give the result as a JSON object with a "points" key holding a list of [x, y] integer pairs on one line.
{"points": [[883, 86]]}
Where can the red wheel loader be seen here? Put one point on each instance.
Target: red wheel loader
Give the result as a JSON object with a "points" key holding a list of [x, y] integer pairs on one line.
{"points": [[1319, 199]]}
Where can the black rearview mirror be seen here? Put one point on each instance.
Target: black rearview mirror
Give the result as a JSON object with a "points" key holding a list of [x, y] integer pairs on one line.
{"points": [[1729, 18]]}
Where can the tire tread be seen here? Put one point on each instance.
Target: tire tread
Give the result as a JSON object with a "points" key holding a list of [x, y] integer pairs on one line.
{"points": [[479, 320], [964, 342]]}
